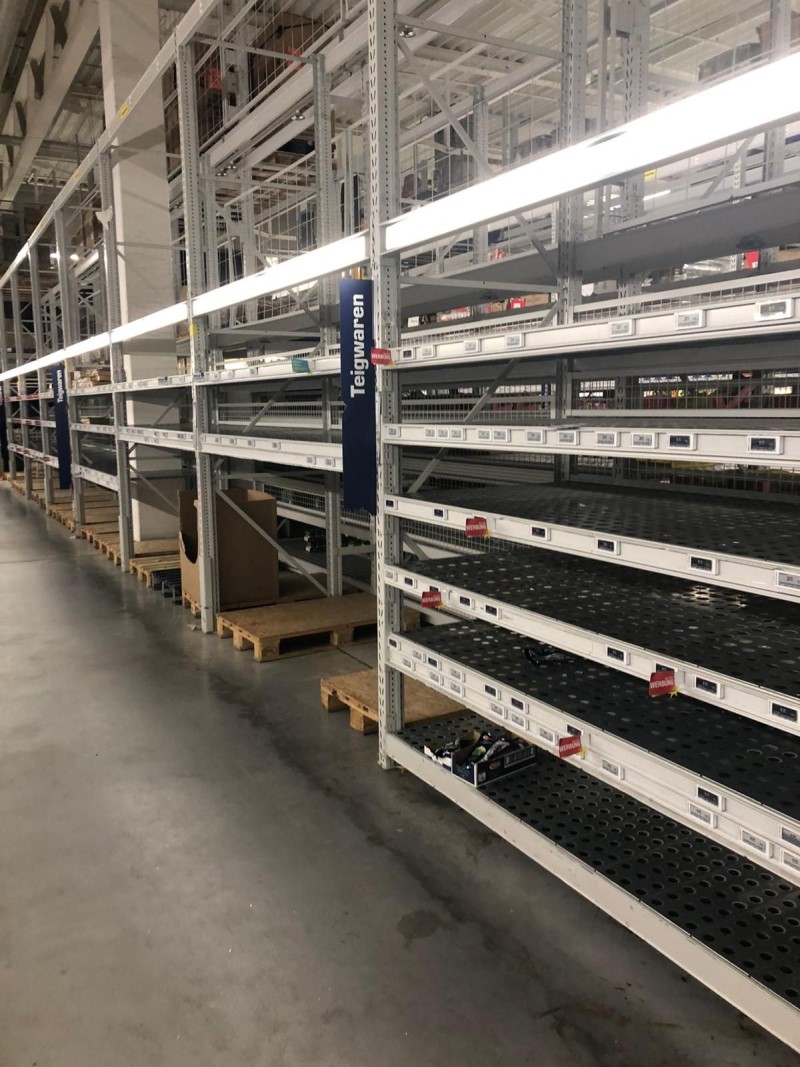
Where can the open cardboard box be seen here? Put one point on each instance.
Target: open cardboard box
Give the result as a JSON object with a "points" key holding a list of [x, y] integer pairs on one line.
{"points": [[247, 563]]}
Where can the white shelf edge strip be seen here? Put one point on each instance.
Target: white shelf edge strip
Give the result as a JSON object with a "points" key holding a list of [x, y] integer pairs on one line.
{"points": [[777, 448], [660, 783], [766, 578], [733, 694]]}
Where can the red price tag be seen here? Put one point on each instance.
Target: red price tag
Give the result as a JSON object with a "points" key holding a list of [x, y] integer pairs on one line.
{"points": [[570, 746], [662, 683], [476, 527], [382, 357], [432, 598]]}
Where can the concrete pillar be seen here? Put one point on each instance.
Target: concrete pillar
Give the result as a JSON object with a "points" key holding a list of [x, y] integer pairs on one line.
{"points": [[129, 40]]}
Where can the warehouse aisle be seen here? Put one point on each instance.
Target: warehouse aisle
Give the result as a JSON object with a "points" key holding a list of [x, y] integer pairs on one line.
{"points": [[199, 867]]}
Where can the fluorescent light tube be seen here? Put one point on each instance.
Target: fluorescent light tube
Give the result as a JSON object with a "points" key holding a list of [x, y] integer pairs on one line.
{"points": [[91, 344], [725, 112], [34, 365], [158, 320], [331, 258]]}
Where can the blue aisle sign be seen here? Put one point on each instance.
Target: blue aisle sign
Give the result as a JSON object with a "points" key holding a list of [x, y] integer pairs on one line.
{"points": [[360, 475], [3, 429], [63, 451]]}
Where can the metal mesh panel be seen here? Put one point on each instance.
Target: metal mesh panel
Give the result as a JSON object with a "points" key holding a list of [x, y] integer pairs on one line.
{"points": [[733, 391]]}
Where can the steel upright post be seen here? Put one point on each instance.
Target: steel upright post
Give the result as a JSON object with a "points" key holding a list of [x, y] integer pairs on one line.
{"points": [[69, 329], [19, 347], [111, 283], [6, 365], [384, 203], [198, 337], [480, 133], [570, 214], [41, 348], [328, 229]]}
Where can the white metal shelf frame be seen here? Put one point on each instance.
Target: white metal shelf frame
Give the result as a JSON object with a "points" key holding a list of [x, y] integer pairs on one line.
{"points": [[770, 707], [692, 443], [657, 782], [728, 981], [766, 578]]}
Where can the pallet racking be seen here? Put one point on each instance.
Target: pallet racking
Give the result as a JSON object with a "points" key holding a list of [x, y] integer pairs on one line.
{"points": [[632, 457]]}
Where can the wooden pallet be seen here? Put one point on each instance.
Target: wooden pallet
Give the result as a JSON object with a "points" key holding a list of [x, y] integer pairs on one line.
{"points": [[93, 531], [146, 566], [358, 694], [283, 629]]}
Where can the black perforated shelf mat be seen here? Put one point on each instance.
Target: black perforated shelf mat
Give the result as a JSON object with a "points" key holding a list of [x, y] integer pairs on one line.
{"points": [[736, 753], [754, 529], [738, 634], [744, 913]]}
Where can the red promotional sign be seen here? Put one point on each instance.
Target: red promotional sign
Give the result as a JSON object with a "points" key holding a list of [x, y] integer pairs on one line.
{"points": [[432, 598], [662, 683], [381, 357], [476, 527], [570, 746]]}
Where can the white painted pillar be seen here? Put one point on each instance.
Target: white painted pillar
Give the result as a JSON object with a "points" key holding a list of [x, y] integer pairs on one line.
{"points": [[129, 40]]}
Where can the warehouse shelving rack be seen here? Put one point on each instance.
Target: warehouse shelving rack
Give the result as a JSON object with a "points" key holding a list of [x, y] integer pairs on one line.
{"points": [[478, 415]]}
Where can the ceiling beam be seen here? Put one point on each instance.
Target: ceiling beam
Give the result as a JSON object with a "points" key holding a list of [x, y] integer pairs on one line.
{"points": [[480, 38], [59, 49]]}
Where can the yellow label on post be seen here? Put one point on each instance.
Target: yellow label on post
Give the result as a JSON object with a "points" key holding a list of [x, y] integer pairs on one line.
{"points": [[123, 111], [649, 175], [194, 329]]}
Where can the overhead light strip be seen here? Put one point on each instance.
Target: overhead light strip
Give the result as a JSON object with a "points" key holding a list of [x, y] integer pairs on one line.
{"points": [[723, 113], [329, 259]]}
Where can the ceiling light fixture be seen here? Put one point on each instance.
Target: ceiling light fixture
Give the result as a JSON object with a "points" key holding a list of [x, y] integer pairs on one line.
{"points": [[329, 259], [726, 112]]}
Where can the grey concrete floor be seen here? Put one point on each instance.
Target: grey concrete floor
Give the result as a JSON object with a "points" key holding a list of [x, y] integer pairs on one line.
{"points": [[199, 867]]}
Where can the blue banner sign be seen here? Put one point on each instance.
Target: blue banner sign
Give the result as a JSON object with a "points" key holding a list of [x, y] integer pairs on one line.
{"points": [[3, 429], [63, 451], [360, 476]]}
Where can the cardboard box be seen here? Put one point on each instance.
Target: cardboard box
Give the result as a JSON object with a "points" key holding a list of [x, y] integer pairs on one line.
{"points": [[482, 771], [247, 563]]}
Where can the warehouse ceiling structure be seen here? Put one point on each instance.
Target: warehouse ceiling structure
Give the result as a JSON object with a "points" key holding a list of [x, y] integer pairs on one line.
{"points": [[479, 89]]}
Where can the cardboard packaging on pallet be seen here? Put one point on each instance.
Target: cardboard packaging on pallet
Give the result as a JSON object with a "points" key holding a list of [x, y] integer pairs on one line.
{"points": [[247, 563]]}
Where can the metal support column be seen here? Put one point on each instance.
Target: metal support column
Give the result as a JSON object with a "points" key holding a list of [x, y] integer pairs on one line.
{"points": [[198, 338], [633, 28], [328, 229], [780, 29], [570, 209], [573, 128], [41, 349], [480, 132], [111, 284], [6, 386], [4, 366], [69, 330], [384, 200], [22, 387]]}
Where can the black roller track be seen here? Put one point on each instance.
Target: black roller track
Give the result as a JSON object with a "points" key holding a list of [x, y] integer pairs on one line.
{"points": [[744, 756], [753, 529], [738, 634], [739, 910]]}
